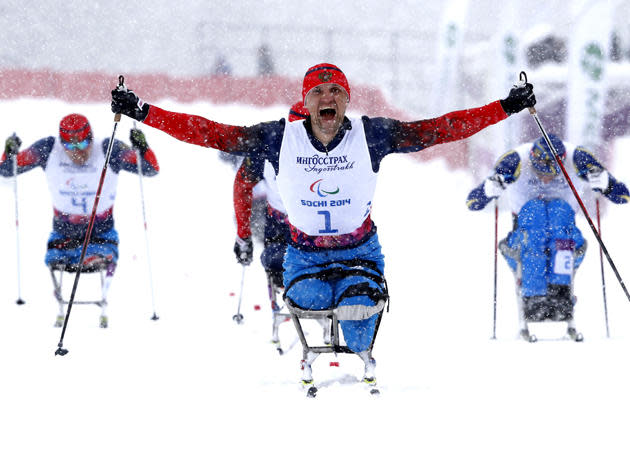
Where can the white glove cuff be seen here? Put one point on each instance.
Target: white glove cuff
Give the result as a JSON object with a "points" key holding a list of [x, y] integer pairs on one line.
{"points": [[599, 181]]}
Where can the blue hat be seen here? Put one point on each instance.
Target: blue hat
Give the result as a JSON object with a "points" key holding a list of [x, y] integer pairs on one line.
{"points": [[542, 158]]}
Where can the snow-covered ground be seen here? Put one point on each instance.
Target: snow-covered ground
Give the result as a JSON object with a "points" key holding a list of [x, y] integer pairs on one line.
{"points": [[194, 382]]}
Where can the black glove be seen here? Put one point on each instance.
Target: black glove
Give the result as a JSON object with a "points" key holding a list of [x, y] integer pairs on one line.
{"points": [[12, 146], [138, 141], [244, 250], [520, 97], [126, 102]]}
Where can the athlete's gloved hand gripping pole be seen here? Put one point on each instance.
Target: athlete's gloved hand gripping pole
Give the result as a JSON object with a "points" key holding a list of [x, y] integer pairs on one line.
{"points": [[532, 111], [60, 349]]}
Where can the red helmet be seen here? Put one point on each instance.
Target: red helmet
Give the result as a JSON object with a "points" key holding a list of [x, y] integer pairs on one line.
{"points": [[75, 128]]}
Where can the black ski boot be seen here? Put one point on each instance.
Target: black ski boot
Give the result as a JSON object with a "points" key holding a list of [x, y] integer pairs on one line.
{"points": [[535, 308], [560, 302]]}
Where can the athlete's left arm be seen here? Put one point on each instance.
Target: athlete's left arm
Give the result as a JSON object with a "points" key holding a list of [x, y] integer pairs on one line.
{"points": [[385, 136], [585, 163], [125, 157]]}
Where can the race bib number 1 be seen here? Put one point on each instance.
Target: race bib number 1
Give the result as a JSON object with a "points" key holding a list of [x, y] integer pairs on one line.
{"points": [[327, 223]]}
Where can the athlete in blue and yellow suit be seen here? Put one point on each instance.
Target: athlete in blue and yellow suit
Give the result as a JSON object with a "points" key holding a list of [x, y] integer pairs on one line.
{"points": [[545, 240]]}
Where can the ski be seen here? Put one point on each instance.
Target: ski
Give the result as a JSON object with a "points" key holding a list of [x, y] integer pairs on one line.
{"points": [[571, 332], [368, 383], [529, 337], [575, 335], [371, 386], [311, 390], [276, 344]]}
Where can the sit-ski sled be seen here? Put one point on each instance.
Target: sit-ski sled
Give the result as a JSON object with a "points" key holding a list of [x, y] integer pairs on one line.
{"points": [[281, 314], [310, 353], [278, 316], [57, 272]]}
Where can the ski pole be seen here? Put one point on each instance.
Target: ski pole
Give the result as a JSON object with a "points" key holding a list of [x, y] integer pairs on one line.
{"points": [[60, 349], [155, 317], [601, 263], [238, 317], [19, 300], [496, 245], [532, 111]]}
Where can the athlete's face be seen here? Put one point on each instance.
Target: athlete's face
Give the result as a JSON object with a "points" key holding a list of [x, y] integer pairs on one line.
{"points": [[327, 105], [78, 152], [544, 178]]}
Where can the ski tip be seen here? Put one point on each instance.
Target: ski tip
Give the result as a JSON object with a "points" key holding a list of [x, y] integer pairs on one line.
{"points": [[575, 335], [334, 364], [578, 337]]}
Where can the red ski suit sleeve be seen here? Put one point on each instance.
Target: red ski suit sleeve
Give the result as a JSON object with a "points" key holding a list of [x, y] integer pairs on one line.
{"points": [[244, 184], [453, 126], [197, 130]]}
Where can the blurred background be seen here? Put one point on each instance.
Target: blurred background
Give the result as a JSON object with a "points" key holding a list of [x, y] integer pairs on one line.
{"points": [[405, 59]]}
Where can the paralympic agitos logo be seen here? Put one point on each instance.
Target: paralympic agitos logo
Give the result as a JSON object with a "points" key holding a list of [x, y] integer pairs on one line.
{"points": [[316, 187]]}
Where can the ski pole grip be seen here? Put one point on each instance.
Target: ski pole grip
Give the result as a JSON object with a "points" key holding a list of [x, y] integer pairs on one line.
{"points": [[522, 80], [121, 85]]}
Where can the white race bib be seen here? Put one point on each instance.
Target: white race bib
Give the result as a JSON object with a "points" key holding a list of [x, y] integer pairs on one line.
{"points": [[326, 193], [73, 187]]}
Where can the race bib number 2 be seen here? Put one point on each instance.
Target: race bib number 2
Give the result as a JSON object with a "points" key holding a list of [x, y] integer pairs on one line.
{"points": [[563, 263]]}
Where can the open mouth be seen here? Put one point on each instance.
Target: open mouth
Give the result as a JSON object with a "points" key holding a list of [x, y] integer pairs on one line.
{"points": [[327, 114]]}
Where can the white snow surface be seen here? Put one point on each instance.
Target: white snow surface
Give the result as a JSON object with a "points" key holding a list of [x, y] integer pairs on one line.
{"points": [[194, 382]]}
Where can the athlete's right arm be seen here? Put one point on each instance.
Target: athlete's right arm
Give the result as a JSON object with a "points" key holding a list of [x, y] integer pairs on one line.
{"points": [[29, 158], [262, 138], [198, 130]]}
